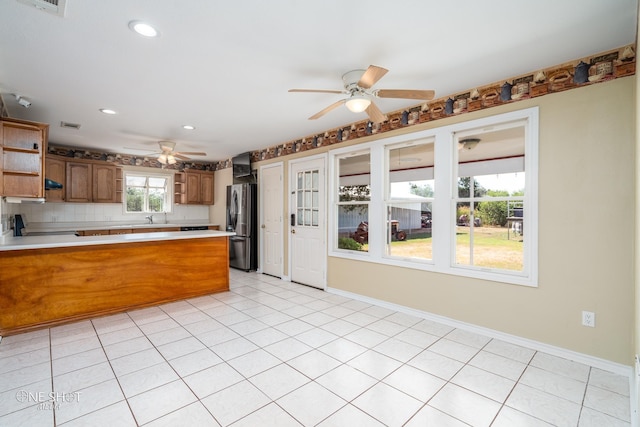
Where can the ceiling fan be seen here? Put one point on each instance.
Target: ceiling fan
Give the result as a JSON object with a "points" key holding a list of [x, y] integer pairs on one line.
{"points": [[167, 154], [358, 85]]}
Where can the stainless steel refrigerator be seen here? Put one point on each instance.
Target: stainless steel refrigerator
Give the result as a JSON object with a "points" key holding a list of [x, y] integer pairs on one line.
{"points": [[242, 219]]}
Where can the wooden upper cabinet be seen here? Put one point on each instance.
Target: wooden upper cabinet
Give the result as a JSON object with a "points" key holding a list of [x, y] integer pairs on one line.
{"points": [[90, 182], [104, 183], [199, 188], [22, 146], [55, 170], [79, 186], [193, 188], [206, 186]]}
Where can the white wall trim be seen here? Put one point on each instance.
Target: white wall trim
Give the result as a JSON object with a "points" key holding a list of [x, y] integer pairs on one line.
{"points": [[586, 359]]}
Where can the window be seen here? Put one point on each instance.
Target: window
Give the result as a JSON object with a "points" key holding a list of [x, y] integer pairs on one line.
{"points": [[354, 195], [409, 200], [489, 201], [147, 193], [459, 199]]}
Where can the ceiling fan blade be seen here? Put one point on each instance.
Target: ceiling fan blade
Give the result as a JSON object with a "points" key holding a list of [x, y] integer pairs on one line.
{"points": [[191, 153], [375, 114], [326, 110], [371, 76], [405, 93], [317, 90], [180, 156]]}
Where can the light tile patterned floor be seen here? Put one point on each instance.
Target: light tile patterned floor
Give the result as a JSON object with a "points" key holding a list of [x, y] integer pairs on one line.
{"points": [[272, 353]]}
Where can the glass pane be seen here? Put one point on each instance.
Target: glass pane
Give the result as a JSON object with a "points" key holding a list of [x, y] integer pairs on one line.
{"points": [[307, 199], [492, 163], [463, 235], [136, 181], [315, 200], [315, 178], [314, 218], [493, 237], [307, 217], [156, 200], [354, 178], [157, 182], [307, 180], [300, 201], [501, 184], [299, 180], [135, 200], [407, 233], [411, 171], [353, 228], [299, 217]]}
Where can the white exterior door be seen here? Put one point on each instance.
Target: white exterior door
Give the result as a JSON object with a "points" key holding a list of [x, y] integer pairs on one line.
{"points": [[307, 222], [271, 201]]}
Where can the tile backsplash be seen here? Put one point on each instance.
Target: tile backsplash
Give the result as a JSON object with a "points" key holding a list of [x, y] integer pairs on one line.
{"points": [[88, 212]]}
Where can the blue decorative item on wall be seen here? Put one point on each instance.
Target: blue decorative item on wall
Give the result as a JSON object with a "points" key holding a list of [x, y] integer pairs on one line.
{"points": [[505, 91]]}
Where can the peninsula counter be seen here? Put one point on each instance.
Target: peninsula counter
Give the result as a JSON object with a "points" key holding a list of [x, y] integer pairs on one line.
{"points": [[50, 280]]}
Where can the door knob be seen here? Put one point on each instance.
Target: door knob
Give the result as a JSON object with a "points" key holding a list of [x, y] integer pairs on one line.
{"points": [[263, 226], [293, 231]]}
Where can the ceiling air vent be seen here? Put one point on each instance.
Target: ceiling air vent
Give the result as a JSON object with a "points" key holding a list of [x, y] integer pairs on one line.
{"points": [[55, 7], [70, 125]]}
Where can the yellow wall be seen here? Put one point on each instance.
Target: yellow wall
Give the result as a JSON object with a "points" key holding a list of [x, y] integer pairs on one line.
{"points": [[586, 223], [586, 234]]}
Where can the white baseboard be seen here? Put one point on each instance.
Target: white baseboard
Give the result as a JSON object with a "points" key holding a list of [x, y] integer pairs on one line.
{"points": [[635, 394], [631, 372], [586, 359]]}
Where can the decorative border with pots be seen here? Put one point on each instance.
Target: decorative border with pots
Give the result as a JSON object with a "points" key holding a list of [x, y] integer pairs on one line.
{"points": [[583, 72]]}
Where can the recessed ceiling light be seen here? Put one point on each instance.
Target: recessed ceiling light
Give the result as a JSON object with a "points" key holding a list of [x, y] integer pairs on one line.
{"points": [[188, 127], [143, 29], [107, 111]]}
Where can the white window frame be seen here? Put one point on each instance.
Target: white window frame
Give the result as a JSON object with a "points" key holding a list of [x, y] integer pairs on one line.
{"points": [[335, 207], [168, 196], [443, 213], [388, 200]]}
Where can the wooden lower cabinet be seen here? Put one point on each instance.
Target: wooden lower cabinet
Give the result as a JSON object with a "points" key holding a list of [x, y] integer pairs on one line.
{"points": [[40, 288], [121, 231], [153, 230], [95, 233]]}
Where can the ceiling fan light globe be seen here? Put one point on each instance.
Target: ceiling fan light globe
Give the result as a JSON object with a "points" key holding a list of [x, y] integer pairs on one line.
{"points": [[162, 158], [358, 104], [171, 160]]}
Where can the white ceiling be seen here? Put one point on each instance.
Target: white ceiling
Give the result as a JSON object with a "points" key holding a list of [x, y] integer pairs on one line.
{"points": [[225, 66]]}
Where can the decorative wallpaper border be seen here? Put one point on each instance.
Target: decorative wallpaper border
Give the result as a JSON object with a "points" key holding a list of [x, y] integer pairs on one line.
{"points": [[571, 75], [582, 72], [127, 159]]}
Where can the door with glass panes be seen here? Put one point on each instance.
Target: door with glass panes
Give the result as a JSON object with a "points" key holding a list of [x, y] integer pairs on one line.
{"points": [[307, 222]]}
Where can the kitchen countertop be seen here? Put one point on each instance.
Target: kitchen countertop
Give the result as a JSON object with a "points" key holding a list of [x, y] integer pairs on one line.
{"points": [[53, 227], [11, 243]]}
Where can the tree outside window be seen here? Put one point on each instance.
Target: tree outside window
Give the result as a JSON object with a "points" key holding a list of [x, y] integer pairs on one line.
{"points": [[147, 193]]}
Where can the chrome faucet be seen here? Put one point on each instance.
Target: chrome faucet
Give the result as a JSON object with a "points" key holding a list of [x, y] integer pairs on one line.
{"points": [[150, 218]]}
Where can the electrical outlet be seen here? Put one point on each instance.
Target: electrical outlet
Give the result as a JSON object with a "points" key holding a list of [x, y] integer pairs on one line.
{"points": [[589, 319]]}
